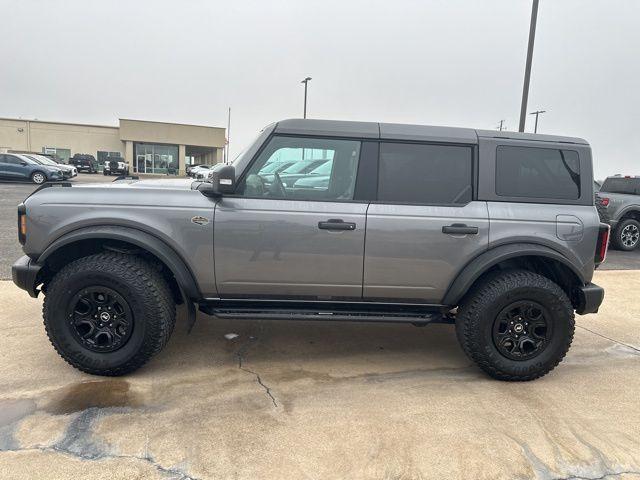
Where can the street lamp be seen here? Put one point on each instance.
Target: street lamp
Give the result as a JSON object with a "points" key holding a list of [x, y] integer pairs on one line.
{"points": [[537, 113], [305, 81]]}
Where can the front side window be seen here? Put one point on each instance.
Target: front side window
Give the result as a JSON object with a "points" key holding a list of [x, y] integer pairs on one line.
{"points": [[303, 169], [535, 172], [425, 174]]}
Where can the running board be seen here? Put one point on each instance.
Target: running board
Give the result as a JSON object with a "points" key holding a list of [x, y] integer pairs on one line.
{"points": [[397, 316]]}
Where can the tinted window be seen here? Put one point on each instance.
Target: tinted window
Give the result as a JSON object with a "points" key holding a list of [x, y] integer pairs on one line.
{"points": [[425, 174], [289, 167], [10, 159], [621, 185], [537, 173]]}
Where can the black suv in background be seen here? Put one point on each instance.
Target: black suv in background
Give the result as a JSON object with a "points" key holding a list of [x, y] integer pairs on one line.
{"points": [[84, 162]]}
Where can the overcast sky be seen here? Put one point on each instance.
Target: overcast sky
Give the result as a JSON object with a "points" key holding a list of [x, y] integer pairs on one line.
{"points": [[449, 62]]}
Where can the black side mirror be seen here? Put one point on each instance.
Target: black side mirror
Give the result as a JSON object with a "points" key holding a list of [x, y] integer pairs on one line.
{"points": [[221, 181]]}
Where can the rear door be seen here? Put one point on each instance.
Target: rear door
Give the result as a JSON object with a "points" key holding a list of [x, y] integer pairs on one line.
{"points": [[425, 225], [13, 167], [301, 241]]}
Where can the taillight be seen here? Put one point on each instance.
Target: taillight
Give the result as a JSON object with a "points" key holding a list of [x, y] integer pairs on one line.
{"points": [[22, 223], [604, 201], [603, 244]]}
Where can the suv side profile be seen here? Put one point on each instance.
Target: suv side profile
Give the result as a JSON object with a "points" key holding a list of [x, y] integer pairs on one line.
{"points": [[495, 232], [619, 203]]}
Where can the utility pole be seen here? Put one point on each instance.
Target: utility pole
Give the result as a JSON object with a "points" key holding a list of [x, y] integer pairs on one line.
{"points": [[226, 160], [305, 81], [527, 68], [501, 125], [537, 113]]}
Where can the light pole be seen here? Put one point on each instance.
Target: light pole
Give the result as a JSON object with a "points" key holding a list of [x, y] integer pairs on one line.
{"points": [[501, 125], [537, 113], [305, 81], [527, 68]]}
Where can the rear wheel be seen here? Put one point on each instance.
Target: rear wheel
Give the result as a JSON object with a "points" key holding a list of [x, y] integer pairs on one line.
{"points": [[627, 235], [516, 325], [109, 313], [38, 178]]}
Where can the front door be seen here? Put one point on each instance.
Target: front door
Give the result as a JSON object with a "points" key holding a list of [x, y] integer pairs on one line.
{"points": [[425, 225], [302, 239]]}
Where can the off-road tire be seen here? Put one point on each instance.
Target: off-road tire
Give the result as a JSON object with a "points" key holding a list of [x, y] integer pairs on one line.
{"points": [[620, 228], [38, 178], [148, 296], [480, 308]]}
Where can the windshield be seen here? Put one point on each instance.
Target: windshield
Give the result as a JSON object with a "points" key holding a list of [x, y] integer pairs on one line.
{"points": [[42, 160]]}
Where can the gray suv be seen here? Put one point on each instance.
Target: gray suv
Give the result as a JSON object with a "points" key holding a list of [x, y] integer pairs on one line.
{"points": [[618, 202], [494, 232]]}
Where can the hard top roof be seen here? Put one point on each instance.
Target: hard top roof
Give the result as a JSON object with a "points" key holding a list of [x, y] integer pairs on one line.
{"points": [[397, 131]]}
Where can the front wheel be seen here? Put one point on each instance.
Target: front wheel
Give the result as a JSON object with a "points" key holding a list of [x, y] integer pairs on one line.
{"points": [[516, 325], [38, 178], [108, 313], [627, 235]]}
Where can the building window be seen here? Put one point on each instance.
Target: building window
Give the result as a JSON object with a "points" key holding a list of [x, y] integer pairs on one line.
{"points": [[155, 158], [62, 153]]}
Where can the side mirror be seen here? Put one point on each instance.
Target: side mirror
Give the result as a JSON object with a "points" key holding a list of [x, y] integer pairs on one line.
{"points": [[24, 164], [221, 181]]}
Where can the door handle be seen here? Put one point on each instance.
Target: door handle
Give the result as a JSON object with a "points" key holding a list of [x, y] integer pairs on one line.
{"points": [[460, 229], [336, 224]]}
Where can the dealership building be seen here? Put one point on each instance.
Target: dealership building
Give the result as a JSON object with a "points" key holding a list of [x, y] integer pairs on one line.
{"points": [[149, 147]]}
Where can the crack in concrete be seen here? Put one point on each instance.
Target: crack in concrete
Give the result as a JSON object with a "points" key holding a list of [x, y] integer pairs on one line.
{"points": [[240, 354], [78, 442], [610, 339]]}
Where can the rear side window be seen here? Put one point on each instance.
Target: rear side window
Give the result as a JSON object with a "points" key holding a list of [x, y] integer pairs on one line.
{"points": [[425, 174], [537, 173], [621, 185]]}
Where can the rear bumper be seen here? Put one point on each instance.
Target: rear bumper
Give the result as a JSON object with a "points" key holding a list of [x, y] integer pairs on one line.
{"points": [[590, 298], [24, 273]]}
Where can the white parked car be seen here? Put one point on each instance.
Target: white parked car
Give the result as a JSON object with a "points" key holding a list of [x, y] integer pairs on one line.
{"points": [[69, 171], [200, 171]]}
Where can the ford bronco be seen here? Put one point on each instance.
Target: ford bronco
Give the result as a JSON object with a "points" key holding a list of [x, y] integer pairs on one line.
{"points": [[495, 232]]}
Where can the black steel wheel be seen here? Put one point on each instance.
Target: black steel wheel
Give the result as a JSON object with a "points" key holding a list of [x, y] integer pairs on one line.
{"points": [[101, 319], [516, 325], [521, 330], [108, 313]]}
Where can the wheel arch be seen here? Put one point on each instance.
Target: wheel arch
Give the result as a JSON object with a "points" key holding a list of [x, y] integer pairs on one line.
{"points": [[89, 240], [632, 211], [537, 258]]}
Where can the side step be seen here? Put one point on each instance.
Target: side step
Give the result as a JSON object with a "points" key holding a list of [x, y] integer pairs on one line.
{"points": [[407, 314]]}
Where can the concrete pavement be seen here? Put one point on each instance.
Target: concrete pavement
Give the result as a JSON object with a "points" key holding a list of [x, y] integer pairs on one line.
{"points": [[322, 401]]}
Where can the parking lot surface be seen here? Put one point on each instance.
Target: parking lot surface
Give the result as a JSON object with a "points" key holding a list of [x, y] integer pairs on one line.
{"points": [[322, 401]]}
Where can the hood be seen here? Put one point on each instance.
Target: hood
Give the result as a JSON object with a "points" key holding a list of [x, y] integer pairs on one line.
{"points": [[158, 184]]}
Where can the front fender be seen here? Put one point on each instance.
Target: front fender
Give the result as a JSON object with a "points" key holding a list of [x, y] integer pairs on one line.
{"points": [[177, 265]]}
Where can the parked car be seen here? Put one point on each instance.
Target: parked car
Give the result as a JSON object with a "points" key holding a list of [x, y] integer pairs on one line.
{"points": [[21, 167], [400, 233], [115, 166], [68, 171], [191, 167], [619, 203], [200, 171], [318, 178], [84, 163]]}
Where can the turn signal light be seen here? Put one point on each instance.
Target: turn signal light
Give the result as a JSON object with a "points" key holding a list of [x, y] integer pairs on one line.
{"points": [[603, 244], [22, 224]]}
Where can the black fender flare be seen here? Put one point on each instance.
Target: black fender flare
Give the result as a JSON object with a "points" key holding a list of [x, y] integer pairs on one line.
{"points": [[146, 241], [626, 210], [483, 262]]}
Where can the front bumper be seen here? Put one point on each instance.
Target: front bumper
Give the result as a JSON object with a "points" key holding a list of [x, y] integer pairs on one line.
{"points": [[24, 273], [590, 298]]}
